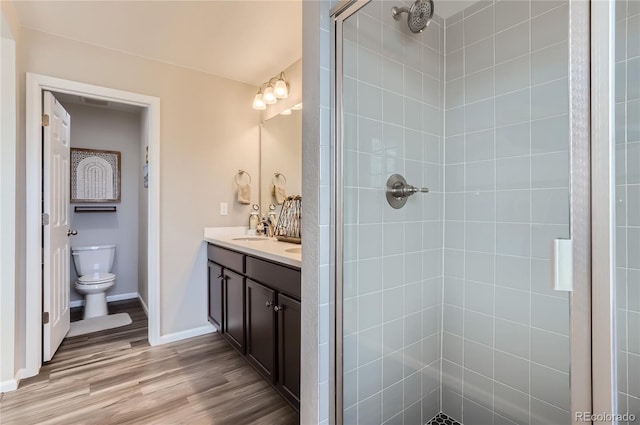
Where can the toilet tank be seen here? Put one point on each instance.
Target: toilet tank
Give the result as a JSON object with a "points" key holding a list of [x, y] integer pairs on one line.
{"points": [[92, 259]]}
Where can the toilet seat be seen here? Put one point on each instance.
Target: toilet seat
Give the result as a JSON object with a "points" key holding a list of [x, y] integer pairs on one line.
{"points": [[95, 278]]}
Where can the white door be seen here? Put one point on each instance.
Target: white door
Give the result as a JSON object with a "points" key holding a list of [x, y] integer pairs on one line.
{"points": [[57, 253]]}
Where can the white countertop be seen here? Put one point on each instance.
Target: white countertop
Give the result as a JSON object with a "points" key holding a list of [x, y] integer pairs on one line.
{"points": [[267, 248]]}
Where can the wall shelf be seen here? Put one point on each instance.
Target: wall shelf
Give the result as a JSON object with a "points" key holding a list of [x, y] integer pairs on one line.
{"points": [[94, 209]]}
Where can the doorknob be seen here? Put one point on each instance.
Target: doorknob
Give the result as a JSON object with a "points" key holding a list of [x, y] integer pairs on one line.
{"points": [[71, 232]]}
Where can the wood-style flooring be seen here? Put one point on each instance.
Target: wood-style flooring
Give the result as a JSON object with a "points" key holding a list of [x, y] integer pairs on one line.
{"points": [[115, 377]]}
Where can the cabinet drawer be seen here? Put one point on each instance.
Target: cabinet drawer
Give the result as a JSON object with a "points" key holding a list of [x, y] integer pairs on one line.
{"points": [[226, 258], [276, 276]]}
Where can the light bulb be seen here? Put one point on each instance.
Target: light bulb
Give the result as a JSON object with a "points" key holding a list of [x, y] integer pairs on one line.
{"points": [[258, 102], [268, 96], [286, 112], [281, 90]]}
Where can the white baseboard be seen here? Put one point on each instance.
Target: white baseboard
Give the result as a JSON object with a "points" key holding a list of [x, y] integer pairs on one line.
{"points": [[144, 305], [189, 333], [12, 384], [110, 298], [8, 385]]}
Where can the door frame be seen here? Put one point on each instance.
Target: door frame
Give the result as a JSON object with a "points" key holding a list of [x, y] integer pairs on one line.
{"points": [[605, 387], [35, 85]]}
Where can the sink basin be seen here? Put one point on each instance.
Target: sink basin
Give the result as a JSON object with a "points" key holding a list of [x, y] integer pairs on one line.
{"points": [[297, 250], [250, 238]]}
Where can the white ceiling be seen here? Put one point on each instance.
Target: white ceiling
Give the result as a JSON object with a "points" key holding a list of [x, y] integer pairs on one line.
{"points": [[248, 41]]}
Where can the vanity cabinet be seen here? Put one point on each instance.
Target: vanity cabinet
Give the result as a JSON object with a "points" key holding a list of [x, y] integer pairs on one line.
{"points": [[255, 304], [233, 310], [215, 295], [288, 313], [261, 329]]}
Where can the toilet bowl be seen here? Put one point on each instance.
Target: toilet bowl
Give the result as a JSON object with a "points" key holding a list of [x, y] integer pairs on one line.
{"points": [[93, 264]]}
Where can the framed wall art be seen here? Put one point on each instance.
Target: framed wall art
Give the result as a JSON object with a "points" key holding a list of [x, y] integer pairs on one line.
{"points": [[95, 175]]}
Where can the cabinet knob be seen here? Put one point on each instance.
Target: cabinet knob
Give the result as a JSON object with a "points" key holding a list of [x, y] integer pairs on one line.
{"points": [[221, 276], [278, 308], [268, 304]]}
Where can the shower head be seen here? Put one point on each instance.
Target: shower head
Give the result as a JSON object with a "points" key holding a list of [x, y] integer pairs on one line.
{"points": [[418, 15]]}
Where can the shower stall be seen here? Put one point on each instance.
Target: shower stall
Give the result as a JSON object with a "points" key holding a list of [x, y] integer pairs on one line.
{"points": [[461, 225]]}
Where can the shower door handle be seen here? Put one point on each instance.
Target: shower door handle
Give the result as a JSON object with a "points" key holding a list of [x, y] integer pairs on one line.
{"points": [[563, 265]]}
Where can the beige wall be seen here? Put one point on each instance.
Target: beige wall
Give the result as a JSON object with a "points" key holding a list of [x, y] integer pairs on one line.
{"points": [[10, 25], [208, 132], [8, 281]]}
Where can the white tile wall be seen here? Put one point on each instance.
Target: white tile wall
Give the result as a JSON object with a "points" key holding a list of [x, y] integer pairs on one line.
{"points": [[474, 330], [627, 205], [505, 352], [393, 274], [316, 180]]}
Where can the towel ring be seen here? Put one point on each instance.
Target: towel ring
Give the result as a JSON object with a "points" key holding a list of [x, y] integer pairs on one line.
{"points": [[239, 176], [275, 178]]}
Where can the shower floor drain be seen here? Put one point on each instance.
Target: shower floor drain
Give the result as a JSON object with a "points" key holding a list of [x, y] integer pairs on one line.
{"points": [[442, 419]]}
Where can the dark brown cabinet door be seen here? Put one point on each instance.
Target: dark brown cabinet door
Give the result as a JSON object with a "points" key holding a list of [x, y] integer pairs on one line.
{"points": [[215, 295], [261, 329], [288, 312], [233, 308]]}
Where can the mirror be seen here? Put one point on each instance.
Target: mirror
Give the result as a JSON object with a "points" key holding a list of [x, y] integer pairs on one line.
{"points": [[280, 158]]}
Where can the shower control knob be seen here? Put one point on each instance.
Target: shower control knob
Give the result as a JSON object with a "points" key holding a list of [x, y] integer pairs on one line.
{"points": [[71, 232], [398, 190]]}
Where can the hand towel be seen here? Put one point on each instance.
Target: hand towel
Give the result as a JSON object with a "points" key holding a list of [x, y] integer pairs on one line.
{"points": [[280, 193], [244, 194]]}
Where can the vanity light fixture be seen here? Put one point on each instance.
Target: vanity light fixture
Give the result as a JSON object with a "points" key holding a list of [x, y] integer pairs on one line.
{"points": [[286, 112], [297, 106], [268, 96], [258, 101], [276, 88], [281, 89]]}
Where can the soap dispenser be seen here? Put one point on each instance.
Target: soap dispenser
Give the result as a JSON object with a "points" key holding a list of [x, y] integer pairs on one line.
{"points": [[254, 217]]}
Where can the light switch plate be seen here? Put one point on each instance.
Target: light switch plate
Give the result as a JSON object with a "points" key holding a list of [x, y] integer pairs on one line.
{"points": [[224, 208]]}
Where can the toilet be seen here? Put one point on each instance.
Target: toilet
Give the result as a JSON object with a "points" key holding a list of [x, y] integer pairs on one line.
{"points": [[93, 265]]}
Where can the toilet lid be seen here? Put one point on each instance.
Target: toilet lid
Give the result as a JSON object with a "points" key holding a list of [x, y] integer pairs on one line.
{"points": [[93, 278]]}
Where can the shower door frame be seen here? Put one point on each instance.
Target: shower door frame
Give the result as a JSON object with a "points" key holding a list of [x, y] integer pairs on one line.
{"points": [[580, 206], [605, 389]]}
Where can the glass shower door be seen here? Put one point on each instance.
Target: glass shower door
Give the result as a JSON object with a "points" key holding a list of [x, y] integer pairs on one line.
{"points": [[392, 120], [446, 306]]}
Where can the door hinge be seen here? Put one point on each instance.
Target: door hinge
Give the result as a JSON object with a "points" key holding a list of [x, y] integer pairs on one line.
{"points": [[45, 318], [45, 219], [45, 120]]}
